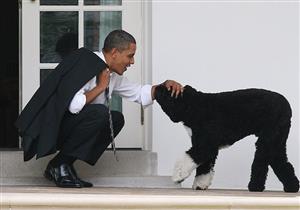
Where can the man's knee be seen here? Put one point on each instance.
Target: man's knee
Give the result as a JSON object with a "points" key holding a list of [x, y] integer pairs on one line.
{"points": [[97, 112]]}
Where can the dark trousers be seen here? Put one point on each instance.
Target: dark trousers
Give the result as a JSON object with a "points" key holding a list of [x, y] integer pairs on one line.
{"points": [[86, 135]]}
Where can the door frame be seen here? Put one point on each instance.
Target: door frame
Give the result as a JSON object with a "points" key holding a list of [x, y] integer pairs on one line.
{"points": [[146, 47], [32, 79]]}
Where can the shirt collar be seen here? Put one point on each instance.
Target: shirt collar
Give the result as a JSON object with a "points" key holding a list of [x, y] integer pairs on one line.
{"points": [[102, 56]]}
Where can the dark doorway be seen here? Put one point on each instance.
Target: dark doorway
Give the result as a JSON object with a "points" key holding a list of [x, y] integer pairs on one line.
{"points": [[9, 73]]}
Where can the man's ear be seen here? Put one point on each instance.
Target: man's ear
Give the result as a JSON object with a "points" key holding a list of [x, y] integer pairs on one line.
{"points": [[114, 52]]}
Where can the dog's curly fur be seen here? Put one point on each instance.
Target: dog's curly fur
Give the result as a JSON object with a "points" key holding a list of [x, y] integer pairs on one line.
{"points": [[221, 119]]}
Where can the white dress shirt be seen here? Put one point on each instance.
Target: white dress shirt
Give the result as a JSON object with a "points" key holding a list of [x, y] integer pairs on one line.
{"points": [[119, 85]]}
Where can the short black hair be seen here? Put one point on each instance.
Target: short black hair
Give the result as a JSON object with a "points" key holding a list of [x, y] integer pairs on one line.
{"points": [[118, 39]]}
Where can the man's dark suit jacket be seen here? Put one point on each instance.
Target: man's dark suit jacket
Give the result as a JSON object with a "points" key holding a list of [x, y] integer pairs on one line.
{"points": [[39, 122]]}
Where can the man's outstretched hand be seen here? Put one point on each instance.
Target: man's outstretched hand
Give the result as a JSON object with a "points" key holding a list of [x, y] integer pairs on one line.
{"points": [[171, 85], [174, 86]]}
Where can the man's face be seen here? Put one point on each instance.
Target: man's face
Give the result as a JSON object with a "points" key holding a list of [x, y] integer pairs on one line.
{"points": [[122, 60]]}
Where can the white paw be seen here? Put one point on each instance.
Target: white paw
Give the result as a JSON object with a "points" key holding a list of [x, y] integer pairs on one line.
{"points": [[203, 181], [183, 168]]}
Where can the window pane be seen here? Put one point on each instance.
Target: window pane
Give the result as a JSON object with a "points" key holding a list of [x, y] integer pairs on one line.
{"points": [[58, 2], [58, 35], [97, 25], [116, 103], [102, 2]]}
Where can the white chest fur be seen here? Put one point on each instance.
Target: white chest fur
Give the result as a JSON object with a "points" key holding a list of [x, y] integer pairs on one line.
{"points": [[189, 130]]}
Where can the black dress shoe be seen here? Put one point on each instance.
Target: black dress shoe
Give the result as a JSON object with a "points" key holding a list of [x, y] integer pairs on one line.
{"points": [[82, 182], [62, 176]]}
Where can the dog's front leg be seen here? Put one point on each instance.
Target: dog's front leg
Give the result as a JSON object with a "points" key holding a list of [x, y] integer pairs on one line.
{"points": [[183, 168], [204, 175]]}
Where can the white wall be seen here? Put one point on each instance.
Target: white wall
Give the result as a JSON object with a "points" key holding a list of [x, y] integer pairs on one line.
{"points": [[225, 45]]}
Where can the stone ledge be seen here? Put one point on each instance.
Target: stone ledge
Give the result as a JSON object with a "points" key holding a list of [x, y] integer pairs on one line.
{"points": [[132, 198]]}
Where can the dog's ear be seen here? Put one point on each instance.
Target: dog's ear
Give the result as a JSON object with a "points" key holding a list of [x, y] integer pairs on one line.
{"points": [[188, 90], [189, 93]]}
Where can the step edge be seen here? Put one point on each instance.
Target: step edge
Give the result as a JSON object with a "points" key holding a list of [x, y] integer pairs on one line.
{"points": [[139, 201]]}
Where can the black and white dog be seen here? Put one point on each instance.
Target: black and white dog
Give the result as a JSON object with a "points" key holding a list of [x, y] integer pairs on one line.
{"points": [[216, 120]]}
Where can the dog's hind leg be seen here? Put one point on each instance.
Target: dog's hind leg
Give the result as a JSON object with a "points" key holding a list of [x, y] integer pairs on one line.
{"points": [[285, 172], [204, 175], [280, 165], [279, 161], [259, 169], [278, 158]]}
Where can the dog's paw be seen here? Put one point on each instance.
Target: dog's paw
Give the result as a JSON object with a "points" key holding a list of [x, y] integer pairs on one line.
{"points": [[203, 181], [183, 168]]}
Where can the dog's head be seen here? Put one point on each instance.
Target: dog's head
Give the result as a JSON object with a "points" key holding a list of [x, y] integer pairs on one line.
{"points": [[175, 108]]}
